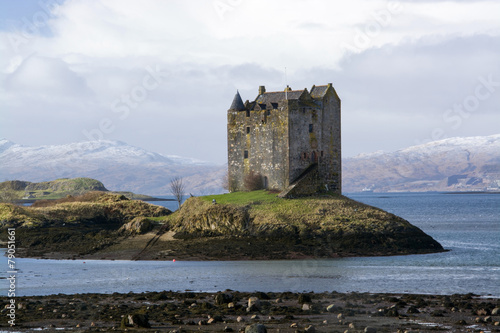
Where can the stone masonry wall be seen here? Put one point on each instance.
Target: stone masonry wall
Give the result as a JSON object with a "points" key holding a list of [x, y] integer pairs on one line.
{"points": [[264, 136]]}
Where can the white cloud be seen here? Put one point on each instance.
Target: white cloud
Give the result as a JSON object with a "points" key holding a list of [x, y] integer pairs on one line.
{"points": [[408, 66]]}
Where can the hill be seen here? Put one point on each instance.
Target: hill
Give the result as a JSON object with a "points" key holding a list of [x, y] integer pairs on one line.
{"points": [[455, 164], [17, 190], [118, 165], [76, 226]]}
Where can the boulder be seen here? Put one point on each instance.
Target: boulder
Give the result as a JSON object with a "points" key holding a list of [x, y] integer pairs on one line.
{"points": [[253, 304], [369, 329], [135, 320], [256, 328], [223, 298], [138, 225], [304, 298], [331, 308]]}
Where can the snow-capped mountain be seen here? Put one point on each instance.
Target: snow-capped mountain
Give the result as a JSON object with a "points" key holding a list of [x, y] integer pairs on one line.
{"points": [[447, 165], [471, 163], [118, 165]]}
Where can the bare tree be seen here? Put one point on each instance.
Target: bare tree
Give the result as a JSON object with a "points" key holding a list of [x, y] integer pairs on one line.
{"points": [[177, 189]]}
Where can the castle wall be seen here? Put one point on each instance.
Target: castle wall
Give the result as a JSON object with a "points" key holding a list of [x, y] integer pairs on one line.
{"points": [[330, 165], [306, 141], [266, 144]]}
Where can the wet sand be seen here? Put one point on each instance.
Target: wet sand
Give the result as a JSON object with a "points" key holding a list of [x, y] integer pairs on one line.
{"points": [[230, 311]]}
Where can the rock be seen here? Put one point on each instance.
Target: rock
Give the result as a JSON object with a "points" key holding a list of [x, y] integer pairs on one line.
{"points": [[482, 312], [135, 320], [351, 325], [253, 304], [254, 317], [294, 325], [497, 323], [306, 307], [215, 319], [340, 316], [304, 298], [279, 300], [310, 329], [487, 319], [223, 298], [461, 322], [412, 309], [256, 328], [138, 225], [230, 305], [369, 329], [240, 319], [331, 308], [211, 321], [495, 311], [228, 329]]}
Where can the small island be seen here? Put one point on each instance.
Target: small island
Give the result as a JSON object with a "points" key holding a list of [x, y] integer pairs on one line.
{"points": [[236, 226]]}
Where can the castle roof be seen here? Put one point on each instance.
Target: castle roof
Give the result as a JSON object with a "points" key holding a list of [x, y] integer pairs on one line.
{"points": [[319, 91], [237, 103], [277, 96]]}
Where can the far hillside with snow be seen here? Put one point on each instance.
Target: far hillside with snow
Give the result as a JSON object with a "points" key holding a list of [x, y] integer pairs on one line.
{"points": [[454, 164], [119, 166]]}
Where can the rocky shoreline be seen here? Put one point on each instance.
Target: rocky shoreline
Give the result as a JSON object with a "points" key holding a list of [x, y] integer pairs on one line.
{"points": [[232, 311]]}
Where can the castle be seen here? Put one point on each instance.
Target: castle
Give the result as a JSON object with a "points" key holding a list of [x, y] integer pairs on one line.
{"points": [[289, 140]]}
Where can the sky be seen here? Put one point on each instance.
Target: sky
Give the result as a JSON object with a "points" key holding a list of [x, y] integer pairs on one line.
{"points": [[161, 75]]}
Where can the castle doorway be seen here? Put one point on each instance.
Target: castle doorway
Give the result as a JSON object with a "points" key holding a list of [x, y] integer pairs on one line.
{"points": [[265, 182]]}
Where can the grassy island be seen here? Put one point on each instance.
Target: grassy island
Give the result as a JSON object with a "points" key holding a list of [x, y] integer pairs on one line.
{"points": [[236, 226]]}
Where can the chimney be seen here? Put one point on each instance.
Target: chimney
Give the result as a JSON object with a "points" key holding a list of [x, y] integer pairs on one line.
{"points": [[262, 89]]}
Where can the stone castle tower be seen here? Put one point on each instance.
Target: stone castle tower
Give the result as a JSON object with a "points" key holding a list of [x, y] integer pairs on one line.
{"points": [[290, 139]]}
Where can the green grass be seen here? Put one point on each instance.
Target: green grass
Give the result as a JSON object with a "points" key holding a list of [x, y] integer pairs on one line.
{"points": [[243, 198]]}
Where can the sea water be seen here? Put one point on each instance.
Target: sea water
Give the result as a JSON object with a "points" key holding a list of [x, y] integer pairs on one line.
{"points": [[466, 224]]}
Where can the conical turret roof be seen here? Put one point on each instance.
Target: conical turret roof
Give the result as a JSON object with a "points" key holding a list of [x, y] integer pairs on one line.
{"points": [[237, 103]]}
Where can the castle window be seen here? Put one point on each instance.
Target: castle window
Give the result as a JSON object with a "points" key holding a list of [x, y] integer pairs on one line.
{"points": [[248, 129], [303, 110], [245, 154], [311, 128], [248, 113], [268, 112], [304, 156], [322, 154]]}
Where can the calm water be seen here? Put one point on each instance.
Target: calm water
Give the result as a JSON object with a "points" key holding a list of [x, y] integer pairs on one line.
{"points": [[466, 224]]}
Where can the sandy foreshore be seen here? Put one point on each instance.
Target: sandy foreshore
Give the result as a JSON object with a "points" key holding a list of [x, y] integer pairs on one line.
{"points": [[232, 311]]}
